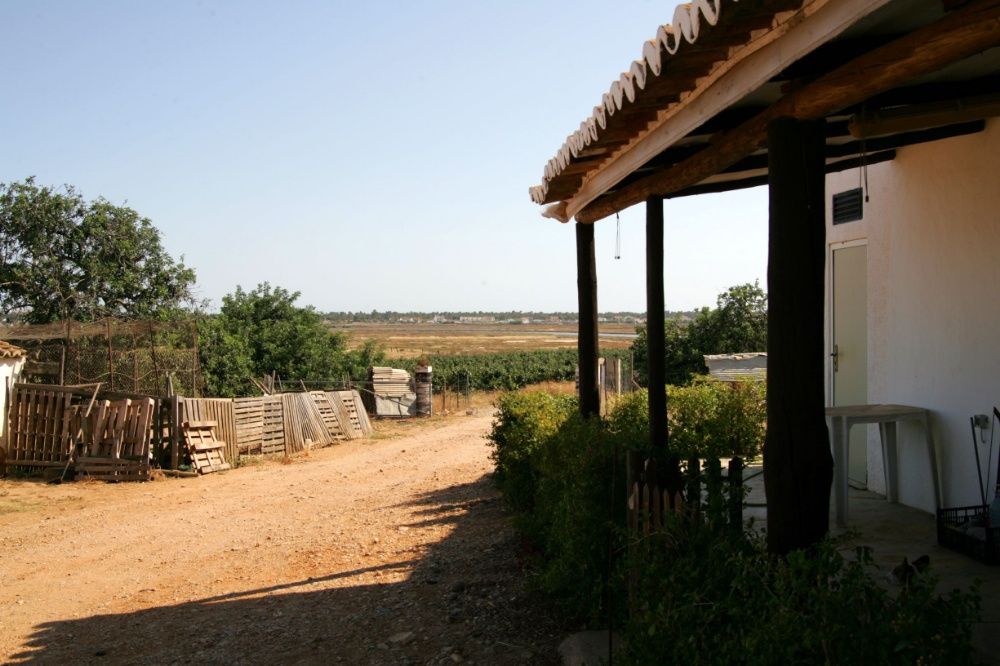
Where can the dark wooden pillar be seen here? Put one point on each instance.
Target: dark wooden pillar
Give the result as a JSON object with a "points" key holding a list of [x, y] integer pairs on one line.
{"points": [[798, 467], [656, 352], [586, 286]]}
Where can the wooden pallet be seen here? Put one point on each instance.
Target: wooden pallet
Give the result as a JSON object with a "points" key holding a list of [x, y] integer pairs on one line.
{"points": [[329, 414], [351, 413], [273, 432], [249, 417], [303, 423], [219, 410], [111, 469], [206, 452], [40, 425]]}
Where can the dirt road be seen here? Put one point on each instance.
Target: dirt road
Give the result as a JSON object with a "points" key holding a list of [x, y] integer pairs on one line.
{"points": [[390, 551]]}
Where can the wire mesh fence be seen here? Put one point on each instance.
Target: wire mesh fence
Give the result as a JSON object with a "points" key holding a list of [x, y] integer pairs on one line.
{"points": [[120, 355]]}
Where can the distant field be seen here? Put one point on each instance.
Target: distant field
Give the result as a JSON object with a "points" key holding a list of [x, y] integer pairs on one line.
{"points": [[412, 340]]}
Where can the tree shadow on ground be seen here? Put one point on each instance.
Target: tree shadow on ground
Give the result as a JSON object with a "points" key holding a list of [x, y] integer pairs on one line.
{"points": [[463, 602]]}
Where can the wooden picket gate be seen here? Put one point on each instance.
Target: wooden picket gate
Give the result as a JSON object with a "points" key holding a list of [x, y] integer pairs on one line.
{"points": [[656, 491]]}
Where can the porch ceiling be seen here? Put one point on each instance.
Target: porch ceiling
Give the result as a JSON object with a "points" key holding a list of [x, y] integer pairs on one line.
{"points": [[670, 126]]}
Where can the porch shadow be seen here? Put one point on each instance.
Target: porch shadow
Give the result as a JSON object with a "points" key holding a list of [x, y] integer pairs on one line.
{"points": [[895, 531], [463, 600]]}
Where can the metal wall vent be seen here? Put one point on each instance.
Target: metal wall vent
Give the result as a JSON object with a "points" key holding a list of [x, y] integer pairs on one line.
{"points": [[848, 206]]}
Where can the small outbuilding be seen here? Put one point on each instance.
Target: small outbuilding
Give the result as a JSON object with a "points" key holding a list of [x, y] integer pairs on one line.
{"points": [[11, 363]]}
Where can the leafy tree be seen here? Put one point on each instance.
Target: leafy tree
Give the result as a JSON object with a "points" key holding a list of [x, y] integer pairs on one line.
{"points": [[264, 331], [62, 257], [737, 324]]}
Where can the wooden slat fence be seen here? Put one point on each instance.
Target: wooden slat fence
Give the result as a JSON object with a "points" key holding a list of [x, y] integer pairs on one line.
{"points": [[282, 423]]}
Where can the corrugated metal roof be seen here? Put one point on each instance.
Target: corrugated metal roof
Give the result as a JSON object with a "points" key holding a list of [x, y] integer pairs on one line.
{"points": [[8, 350], [631, 102]]}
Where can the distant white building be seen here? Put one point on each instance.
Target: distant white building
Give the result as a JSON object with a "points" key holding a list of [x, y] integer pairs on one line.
{"points": [[732, 367]]}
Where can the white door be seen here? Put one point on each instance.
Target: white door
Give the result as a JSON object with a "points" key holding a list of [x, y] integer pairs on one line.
{"points": [[849, 352]]}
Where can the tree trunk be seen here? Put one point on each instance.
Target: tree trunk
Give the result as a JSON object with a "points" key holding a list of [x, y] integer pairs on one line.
{"points": [[798, 467], [586, 283], [656, 356]]}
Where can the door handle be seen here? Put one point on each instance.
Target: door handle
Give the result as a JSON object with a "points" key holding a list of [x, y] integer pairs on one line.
{"points": [[835, 355]]}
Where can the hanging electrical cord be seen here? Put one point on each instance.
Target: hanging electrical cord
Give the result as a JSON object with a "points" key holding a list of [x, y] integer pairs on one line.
{"points": [[864, 156], [618, 237]]}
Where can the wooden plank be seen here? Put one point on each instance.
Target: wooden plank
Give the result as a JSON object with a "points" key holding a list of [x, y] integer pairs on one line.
{"points": [[68, 434], [350, 425]]}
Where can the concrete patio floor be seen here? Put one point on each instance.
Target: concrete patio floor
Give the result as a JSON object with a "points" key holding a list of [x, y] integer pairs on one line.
{"points": [[894, 531]]}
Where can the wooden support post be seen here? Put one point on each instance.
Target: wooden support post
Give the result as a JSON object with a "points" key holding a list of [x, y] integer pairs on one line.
{"points": [[586, 283], [111, 361], [736, 493], [656, 355], [175, 432], [798, 467]]}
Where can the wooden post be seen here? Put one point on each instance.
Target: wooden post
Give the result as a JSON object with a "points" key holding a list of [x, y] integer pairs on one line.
{"points": [[736, 492], [194, 360], [656, 355], [135, 365], [111, 362], [586, 288], [175, 432], [798, 467]]}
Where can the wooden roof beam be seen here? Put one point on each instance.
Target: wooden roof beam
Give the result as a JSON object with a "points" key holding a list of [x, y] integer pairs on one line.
{"points": [[961, 34], [748, 68]]}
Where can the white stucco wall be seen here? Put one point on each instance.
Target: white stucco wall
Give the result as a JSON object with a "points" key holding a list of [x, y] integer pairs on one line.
{"points": [[10, 368], [933, 233]]}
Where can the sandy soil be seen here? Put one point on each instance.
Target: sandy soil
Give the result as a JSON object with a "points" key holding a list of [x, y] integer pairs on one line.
{"points": [[389, 551]]}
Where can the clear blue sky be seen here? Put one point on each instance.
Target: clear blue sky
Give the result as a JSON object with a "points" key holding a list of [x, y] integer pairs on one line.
{"points": [[370, 155]]}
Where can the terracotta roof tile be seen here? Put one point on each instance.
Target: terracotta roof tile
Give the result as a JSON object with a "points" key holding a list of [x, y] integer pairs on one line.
{"points": [[8, 350]]}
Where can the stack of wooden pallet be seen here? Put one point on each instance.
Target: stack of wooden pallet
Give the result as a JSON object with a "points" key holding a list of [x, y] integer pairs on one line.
{"points": [[54, 426], [393, 392]]}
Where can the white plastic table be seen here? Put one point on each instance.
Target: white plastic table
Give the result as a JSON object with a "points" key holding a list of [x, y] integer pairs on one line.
{"points": [[886, 416]]}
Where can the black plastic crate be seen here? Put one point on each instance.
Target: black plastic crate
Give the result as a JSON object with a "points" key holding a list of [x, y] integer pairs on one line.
{"points": [[966, 530]]}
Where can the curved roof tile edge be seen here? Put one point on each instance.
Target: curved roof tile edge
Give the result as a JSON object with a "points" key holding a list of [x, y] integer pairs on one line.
{"points": [[686, 26]]}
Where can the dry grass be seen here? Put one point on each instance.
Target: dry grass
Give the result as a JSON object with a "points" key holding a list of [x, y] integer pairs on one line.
{"points": [[414, 340]]}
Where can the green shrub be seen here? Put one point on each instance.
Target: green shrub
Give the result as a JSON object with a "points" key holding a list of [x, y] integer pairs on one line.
{"points": [[709, 418], [720, 598], [524, 421], [703, 593], [575, 514]]}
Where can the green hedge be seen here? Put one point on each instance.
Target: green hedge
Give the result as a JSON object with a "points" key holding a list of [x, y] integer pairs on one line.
{"points": [[503, 371], [703, 595]]}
